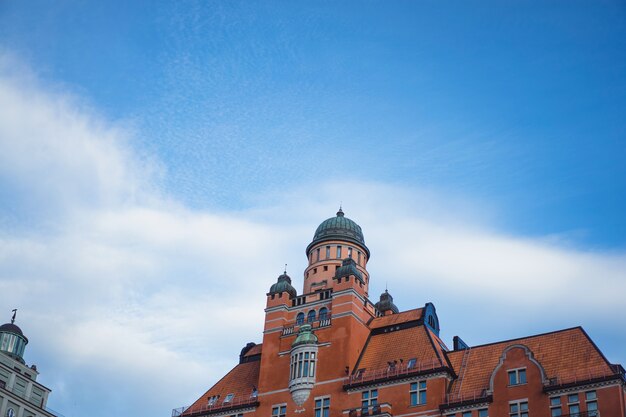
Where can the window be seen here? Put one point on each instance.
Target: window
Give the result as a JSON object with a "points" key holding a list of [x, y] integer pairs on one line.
{"points": [[322, 407], [317, 256], [213, 399], [310, 318], [300, 318], [555, 407], [302, 365], [411, 363], [229, 398], [279, 411], [483, 413], [325, 267], [517, 376], [572, 398], [349, 252], [518, 409], [592, 403], [572, 404], [418, 393], [255, 393], [358, 257], [369, 398], [467, 414], [323, 313], [236, 415], [338, 252], [327, 252]]}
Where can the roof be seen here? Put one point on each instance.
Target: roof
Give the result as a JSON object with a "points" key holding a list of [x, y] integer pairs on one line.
{"points": [[339, 228], [254, 350], [391, 319], [241, 381], [12, 328], [409, 343], [563, 355]]}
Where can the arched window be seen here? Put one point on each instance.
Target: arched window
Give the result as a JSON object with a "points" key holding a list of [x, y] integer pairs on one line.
{"points": [[300, 318], [310, 318], [323, 313]]}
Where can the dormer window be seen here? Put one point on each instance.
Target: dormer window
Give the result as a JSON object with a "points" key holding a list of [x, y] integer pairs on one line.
{"points": [[517, 376], [411, 363], [213, 399], [229, 398]]}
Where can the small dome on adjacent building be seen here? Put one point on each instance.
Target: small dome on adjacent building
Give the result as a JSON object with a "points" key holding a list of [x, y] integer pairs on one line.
{"points": [[283, 284], [339, 228], [12, 340], [386, 303]]}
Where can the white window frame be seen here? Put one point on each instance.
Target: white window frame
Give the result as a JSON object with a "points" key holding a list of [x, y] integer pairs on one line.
{"points": [[278, 407], [516, 371], [417, 391], [370, 401], [322, 407], [519, 412]]}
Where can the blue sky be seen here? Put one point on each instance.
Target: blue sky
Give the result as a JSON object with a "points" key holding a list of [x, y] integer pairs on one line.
{"points": [[139, 134]]}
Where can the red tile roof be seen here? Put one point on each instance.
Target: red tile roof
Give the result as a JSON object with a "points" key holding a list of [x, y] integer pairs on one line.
{"points": [[254, 350], [564, 354], [405, 344], [241, 381], [398, 318]]}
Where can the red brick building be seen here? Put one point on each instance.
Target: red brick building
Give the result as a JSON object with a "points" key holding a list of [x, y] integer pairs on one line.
{"points": [[333, 352]]}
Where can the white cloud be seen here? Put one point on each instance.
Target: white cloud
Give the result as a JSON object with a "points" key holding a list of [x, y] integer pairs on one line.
{"points": [[135, 291]]}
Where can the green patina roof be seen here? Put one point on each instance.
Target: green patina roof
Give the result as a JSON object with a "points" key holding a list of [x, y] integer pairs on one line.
{"points": [[305, 336], [283, 285], [339, 228]]}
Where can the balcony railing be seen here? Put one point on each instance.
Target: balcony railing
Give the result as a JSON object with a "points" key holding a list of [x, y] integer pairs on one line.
{"points": [[452, 399], [582, 376], [378, 410], [325, 322], [392, 372], [219, 406]]}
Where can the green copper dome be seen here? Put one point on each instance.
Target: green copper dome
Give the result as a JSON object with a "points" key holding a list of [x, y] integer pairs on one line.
{"points": [[305, 336], [283, 285], [339, 228]]}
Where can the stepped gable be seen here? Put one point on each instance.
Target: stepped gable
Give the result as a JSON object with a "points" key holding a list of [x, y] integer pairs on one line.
{"points": [[241, 381], [564, 354], [408, 343], [393, 319]]}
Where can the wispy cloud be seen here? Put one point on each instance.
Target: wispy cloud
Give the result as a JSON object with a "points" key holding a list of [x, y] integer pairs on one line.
{"points": [[119, 285]]}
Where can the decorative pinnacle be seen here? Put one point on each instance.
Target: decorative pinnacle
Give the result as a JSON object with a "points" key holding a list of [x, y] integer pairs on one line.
{"points": [[340, 212]]}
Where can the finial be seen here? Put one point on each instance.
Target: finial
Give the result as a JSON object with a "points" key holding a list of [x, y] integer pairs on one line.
{"points": [[285, 269], [14, 313], [340, 212]]}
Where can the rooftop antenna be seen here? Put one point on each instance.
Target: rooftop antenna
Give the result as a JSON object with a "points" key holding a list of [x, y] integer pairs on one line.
{"points": [[14, 313]]}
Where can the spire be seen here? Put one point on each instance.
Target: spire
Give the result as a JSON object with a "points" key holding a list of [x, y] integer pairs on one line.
{"points": [[340, 212]]}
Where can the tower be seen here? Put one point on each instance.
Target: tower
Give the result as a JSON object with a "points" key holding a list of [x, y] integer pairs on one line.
{"points": [[20, 393]]}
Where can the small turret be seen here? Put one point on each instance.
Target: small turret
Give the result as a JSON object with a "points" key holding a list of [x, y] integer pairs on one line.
{"points": [[386, 305], [283, 284], [12, 340]]}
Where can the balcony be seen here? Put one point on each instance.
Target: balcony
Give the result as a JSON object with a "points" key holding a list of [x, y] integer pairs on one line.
{"points": [[317, 324], [457, 400], [378, 410], [398, 371], [582, 377], [219, 407]]}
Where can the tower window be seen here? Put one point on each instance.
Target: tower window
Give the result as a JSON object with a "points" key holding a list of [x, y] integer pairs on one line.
{"points": [[325, 267], [369, 398], [300, 318], [322, 407], [317, 256], [327, 252], [358, 257], [338, 252], [349, 252], [310, 318], [279, 411], [517, 376], [418, 393]]}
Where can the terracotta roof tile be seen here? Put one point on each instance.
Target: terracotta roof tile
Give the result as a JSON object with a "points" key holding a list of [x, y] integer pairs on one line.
{"points": [[404, 344], [239, 381], [563, 354], [398, 318]]}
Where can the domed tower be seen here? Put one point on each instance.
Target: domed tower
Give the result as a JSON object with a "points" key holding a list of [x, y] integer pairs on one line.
{"points": [[283, 284], [12, 340], [385, 305], [338, 241]]}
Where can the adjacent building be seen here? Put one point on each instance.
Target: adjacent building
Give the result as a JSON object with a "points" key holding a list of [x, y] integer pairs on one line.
{"points": [[331, 351], [20, 393]]}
